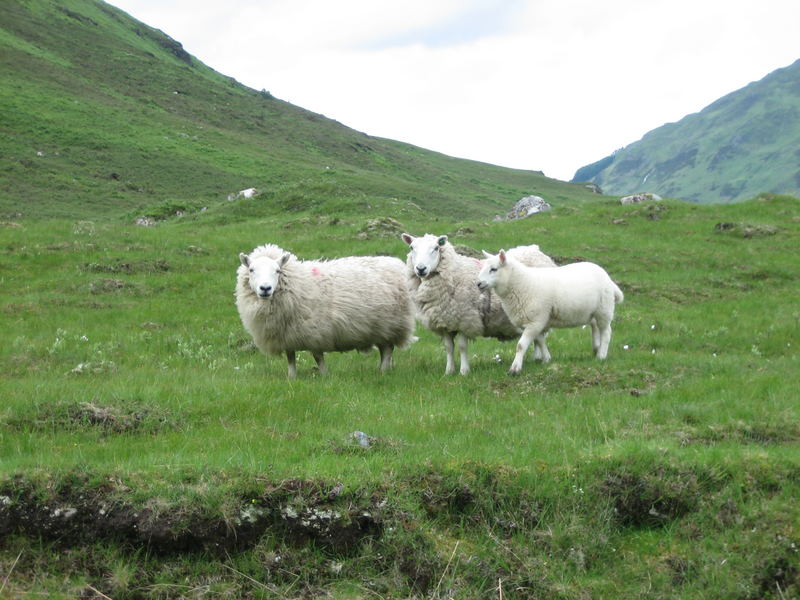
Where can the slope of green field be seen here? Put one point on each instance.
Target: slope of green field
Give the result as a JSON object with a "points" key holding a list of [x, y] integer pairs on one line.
{"points": [[104, 115], [147, 450]]}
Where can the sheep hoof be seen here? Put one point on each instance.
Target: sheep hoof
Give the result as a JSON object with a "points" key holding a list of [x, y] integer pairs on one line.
{"points": [[513, 372]]}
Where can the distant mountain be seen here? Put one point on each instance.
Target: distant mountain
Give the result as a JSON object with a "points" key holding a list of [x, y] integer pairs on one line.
{"points": [[744, 144], [102, 114]]}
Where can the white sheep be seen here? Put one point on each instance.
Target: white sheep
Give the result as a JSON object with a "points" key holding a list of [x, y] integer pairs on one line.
{"points": [[539, 299], [352, 303], [448, 302]]}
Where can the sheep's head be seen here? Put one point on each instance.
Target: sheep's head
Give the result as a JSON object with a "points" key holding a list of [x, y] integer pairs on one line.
{"points": [[264, 273], [490, 271], [425, 252]]}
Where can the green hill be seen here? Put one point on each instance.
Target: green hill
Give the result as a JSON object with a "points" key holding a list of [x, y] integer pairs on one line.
{"points": [[103, 114], [743, 144]]}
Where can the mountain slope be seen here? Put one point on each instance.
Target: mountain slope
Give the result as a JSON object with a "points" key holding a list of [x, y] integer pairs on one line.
{"points": [[102, 113], [745, 143]]}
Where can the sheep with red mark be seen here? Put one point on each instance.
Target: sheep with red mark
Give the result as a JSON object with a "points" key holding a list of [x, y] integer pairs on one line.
{"points": [[353, 303]]}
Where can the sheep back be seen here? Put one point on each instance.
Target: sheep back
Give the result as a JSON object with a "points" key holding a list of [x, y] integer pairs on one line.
{"points": [[351, 303], [569, 295]]}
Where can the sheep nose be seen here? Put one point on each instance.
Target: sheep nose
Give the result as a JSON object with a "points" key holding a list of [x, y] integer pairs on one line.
{"points": [[421, 270], [265, 290]]}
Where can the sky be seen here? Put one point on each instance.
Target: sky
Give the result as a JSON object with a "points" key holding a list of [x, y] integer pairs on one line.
{"points": [[543, 85]]}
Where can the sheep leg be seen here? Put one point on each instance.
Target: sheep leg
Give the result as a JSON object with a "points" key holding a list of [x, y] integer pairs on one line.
{"points": [[447, 338], [321, 366], [386, 357], [596, 336], [540, 350], [463, 342], [291, 358], [605, 340], [529, 334]]}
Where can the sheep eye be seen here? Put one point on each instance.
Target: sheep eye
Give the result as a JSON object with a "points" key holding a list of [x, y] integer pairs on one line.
{"points": [[492, 269], [251, 269]]}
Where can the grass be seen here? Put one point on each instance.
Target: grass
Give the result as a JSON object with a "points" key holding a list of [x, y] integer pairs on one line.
{"points": [[669, 470], [147, 450]]}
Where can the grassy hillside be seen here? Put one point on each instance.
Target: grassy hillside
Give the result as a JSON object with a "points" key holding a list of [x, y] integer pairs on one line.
{"points": [[744, 144], [147, 450], [103, 114]]}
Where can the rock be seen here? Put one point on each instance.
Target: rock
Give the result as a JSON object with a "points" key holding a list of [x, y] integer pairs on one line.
{"points": [[248, 193], [362, 439], [637, 198], [99, 367], [527, 206], [594, 188], [144, 222]]}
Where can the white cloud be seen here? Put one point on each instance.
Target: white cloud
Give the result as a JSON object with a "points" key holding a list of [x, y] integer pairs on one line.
{"points": [[544, 84]]}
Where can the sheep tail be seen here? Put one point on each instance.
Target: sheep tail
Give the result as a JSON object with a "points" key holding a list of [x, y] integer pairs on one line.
{"points": [[618, 295]]}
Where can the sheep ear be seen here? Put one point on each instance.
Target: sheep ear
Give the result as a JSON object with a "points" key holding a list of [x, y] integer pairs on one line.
{"points": [[502, 256], [407, 238], [442, 240], [486, 254], [244, 259], [284, 259]]}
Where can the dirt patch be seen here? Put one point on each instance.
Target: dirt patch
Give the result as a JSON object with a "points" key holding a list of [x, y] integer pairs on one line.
{"points": [[742, 433], [575, 379], [465, 250], [778, 577], [652, 499], [480, 497], [651, 211], [381, 227], [133, 417], [148, 266], [78, 510], [746, 230], [110, 285]]}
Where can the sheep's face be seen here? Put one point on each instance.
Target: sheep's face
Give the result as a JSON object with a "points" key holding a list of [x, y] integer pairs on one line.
{"points": [[264, 273], [425, 253], [490, 270]]}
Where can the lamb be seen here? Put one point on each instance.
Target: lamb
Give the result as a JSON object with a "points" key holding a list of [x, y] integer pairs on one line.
{"points": [[448, 302], [539, 299], [352, 303]]}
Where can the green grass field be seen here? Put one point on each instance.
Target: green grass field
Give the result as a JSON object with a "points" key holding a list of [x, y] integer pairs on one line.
{"points": [[147, 450]]}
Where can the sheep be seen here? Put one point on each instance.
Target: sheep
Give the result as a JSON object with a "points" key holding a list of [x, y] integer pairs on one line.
{"points": [[537, 300], [442, 284], [352, 303]]}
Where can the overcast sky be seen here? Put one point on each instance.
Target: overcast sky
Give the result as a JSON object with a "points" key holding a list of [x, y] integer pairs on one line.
{"points": [[548, 85]]}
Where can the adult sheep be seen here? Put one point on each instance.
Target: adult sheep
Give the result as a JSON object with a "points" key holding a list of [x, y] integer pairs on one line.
{"points": [[537, 300], [352, 303], [444, 290]]}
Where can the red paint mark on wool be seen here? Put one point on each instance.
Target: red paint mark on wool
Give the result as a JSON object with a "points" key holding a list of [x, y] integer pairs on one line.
{"points": [[478, 263], [315, 271]]}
